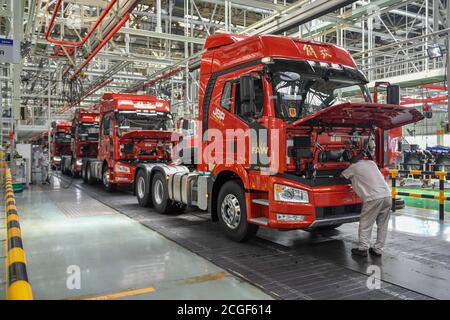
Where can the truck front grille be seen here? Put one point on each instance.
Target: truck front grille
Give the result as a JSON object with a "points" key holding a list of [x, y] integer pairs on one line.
{"points": [[338, 211]]}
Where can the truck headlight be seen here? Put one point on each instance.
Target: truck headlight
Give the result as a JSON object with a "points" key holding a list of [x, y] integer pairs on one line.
{"points": [[289, 194], [56, 158], [121, 169], [79, 162]]}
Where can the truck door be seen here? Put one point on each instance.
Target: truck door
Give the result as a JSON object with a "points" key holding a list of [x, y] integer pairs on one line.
{"points": [[106, 144], [232, 118]]}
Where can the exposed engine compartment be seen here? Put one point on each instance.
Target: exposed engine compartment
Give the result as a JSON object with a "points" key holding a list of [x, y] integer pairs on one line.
{"points": [[324, 152]]}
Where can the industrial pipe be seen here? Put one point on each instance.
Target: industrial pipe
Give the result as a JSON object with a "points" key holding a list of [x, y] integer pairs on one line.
{"points": [[101, 44], [88, 34], [422, 100], [87, 94], [433, 87]]}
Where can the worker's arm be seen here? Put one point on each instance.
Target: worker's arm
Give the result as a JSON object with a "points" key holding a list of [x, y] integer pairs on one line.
{"points": [[347, 173]]}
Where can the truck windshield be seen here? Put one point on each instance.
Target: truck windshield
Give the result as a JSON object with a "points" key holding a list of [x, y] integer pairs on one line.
{"points": [[136, 120], [88, 131], [62, 137], [303, 88]]}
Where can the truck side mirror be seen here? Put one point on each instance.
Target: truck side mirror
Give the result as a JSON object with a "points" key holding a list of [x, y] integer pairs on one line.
{"points": [[247, 95], [393, 94]]}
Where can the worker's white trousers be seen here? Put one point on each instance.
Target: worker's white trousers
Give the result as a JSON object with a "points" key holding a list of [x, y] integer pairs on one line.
{"points": [[378, 211], [44, 172]]}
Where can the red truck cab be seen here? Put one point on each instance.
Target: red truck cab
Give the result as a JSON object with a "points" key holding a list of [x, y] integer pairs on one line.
{"points": [[59, 141], [133, 129], [84, 142]]}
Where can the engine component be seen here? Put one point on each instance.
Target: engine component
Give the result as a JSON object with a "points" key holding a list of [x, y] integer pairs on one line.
{"points": [[300, 149], [335, 155]]}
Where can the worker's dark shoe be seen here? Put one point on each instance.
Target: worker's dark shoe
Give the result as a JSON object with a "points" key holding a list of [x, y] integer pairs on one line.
{"points": [[357, 252], [375, 252]]}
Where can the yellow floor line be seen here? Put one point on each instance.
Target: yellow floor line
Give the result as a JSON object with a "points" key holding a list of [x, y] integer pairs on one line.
{"points": [[129, 293], [123, 294], [117, 295]]}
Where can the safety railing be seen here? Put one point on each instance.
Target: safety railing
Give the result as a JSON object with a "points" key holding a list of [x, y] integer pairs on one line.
{"points": [[441, 175], [18, 287]]}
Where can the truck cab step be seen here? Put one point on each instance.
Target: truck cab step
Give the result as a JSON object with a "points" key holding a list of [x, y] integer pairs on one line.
{"points": [[260, 221], [263, 202]]}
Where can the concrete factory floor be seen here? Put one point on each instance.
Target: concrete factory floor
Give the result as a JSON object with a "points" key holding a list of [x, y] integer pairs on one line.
{"points": [[125, 251], [66, 230]]}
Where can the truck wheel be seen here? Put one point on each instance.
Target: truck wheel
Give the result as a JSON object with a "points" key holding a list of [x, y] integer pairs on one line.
{"points": [[232, 213], [73, 172], [142, 189], [89, 178], [110, 187], [160, 194], [83, 174]]}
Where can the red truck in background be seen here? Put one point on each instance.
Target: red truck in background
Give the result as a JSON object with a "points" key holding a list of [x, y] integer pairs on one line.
{"points": [[84, 141], [59, 141], [134, 129], [288, 91]]}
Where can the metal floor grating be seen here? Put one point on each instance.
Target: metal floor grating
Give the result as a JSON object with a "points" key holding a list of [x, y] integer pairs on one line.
{"points": [[298, 265]]}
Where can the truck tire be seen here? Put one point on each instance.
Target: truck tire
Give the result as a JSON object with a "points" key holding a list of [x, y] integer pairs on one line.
{"points": [[73, 172], [89, 178], [160, 196], [110, 187], [142, 189], [232, 213], [83, 173]]}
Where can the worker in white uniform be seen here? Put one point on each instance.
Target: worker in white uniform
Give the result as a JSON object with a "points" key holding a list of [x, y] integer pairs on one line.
{"points": [[369, 184], [36, 162], [44, 165]]}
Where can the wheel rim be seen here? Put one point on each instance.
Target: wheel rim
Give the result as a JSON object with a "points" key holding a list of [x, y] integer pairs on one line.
{"points": [[141, 187], [231, 211], [159, 191]]}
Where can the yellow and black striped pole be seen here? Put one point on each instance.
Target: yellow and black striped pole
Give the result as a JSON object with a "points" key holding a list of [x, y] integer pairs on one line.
{"points": [[18, 287], [394, 187], [441, 196]]}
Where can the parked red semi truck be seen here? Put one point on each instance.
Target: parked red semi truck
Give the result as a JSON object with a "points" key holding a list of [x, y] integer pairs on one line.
{"points": [[134, 129], [288, 91], [84, 141], [59, 141]]}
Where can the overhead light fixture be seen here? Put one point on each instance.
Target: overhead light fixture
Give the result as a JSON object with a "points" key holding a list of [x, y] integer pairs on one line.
{"points": [[435, 52]]}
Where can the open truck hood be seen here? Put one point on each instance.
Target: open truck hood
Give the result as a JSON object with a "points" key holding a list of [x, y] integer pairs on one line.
{"points": [[384, 116], [147, 134]]}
